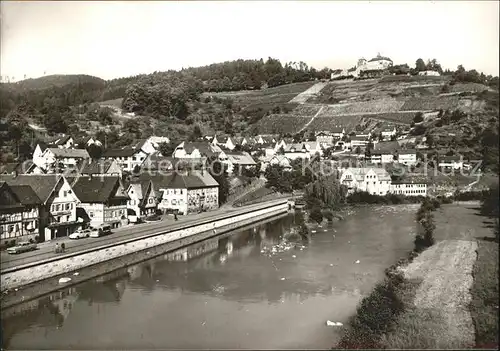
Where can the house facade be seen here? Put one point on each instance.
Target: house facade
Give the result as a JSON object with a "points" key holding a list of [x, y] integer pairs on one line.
{"points": [[238, 159], [375, 181], [127, 158], [409, 188], [188, 193], [380, 157], [297, 151], [58, 159], [451, 163], [142, 199], [407, 157], [58, 211], [102, 200], [388, 132], [19, 213]]}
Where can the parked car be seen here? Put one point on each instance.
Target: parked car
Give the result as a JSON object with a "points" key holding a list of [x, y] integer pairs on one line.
{"points": [[81, 233], [152, 218], [102, 230], [21, 247]]}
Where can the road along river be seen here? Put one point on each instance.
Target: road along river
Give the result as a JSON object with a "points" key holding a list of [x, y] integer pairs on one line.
{"points": [[252, 288]]}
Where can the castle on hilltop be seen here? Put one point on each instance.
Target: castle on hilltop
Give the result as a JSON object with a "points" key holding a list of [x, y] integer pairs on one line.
{"points": [[371, 68]]}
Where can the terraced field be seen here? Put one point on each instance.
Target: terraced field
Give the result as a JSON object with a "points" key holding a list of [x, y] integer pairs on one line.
{"points": [[262, 98], [282, 123], [368, 107], [430, 103], [328, 123], [306, 110], [468, 87]]}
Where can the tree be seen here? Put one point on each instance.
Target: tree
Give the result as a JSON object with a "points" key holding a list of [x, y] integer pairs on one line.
{"points": [[219, 172], [357, 150], [167, 149], [54, 123], [420, 65], [419, 117], [95, 151], [316, 215]]}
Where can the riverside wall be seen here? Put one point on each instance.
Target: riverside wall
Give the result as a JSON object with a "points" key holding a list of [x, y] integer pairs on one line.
{"points": [[143, 248]]}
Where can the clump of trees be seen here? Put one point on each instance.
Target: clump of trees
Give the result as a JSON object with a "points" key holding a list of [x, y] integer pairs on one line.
{"points": [[425, 219]]}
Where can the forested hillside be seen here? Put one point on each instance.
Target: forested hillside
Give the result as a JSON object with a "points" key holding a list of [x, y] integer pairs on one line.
{"points": [[163, 101]]}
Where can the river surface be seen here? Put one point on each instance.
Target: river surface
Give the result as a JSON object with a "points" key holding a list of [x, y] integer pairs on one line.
{"points": [[233, 291]]}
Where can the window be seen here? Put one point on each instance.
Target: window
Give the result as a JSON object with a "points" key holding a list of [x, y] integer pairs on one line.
{"points": [[58, 207], [91, 214], [150, 201], [67, 207], [65, 193], [68, 218], [133, 158]]}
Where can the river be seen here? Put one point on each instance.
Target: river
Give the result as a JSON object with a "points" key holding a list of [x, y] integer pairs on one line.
{"points": [[233, 291]]}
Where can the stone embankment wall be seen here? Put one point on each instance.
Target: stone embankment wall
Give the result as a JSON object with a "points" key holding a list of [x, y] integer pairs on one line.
{"points": [[186, 236]]}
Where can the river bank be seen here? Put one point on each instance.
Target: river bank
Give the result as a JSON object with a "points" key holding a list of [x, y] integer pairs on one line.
{"points": [[30, 285], [249, 293], [443, 298]]}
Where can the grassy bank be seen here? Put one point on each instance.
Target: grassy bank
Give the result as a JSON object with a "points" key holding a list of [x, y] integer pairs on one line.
{"points": [[440, 296], [484, 304]]}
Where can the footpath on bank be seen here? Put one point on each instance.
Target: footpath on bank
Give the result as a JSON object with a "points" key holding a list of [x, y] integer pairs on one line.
{"points": [[445, 295]]}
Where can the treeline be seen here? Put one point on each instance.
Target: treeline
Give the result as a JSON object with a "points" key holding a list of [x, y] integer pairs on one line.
{"points": [[166, 94]]}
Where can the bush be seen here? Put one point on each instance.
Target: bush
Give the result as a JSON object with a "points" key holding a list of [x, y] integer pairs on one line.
{"points": [[328, 215], [316, 215]]}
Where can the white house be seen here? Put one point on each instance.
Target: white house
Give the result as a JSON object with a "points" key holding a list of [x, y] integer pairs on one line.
{"points": [[187, 193], [375, 181], [451, 162], [282, 161], [102, 200], [195, 150], [356, 141], [89, 140], [224, 141], [314, 148], [101, 168], [62, 142], [388, 132], [409, 188], [296, 151], [19, 213], [407, 157], [142, 198], [127, 158], [151, 145], [380, 157], [53, 158], [58, 211], [239, 159], [428, 73], [338, 132]]}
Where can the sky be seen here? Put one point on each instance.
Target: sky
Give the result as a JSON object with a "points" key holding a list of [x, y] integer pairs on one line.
{"points": [[122, 38]]}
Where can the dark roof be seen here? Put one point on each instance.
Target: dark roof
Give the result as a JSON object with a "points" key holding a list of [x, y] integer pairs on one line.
{"points": [[125, 152], [9, 168], [100, 189], [387, 146], [204, 148], [60, 140], [42, 185], [97, 167], [180, 180], [379, 58], [26, 195], [407, 151]]}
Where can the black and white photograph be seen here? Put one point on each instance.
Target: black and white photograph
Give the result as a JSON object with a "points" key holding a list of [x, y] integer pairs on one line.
{"points": [[260, 175]]}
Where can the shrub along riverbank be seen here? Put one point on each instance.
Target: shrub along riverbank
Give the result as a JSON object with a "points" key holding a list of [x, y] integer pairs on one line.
{"points": [[377, 313]]}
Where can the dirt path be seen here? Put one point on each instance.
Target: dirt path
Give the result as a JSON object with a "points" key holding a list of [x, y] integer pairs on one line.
{"points": [[305, 95], [446, 273], [310, 121]]}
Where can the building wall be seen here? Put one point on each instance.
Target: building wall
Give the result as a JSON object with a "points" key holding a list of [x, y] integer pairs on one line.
{"points": [[61, 209], [174, 199], [409, 189], [19, 225], [408, 159]]}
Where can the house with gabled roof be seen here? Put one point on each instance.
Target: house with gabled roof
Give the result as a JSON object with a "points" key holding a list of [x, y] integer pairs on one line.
{"points": [[101, 168], [103, 200], [56, 160], [407, 157], [142, 201], [196, 149], [224, 141], [373, 180], [128, 158], [58, 211], [62, 142], [19, 213], [185, 192], [297, 150], [238, 159]]}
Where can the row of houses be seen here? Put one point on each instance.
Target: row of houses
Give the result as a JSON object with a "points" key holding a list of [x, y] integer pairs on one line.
{"points": [[377, 181], [51, 206]]}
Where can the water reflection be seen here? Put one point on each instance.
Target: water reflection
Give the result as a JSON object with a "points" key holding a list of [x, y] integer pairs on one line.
{"points": [[230, 271]]}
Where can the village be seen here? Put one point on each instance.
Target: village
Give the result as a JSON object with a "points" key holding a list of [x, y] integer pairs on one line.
{"points": [[63, 189]]}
